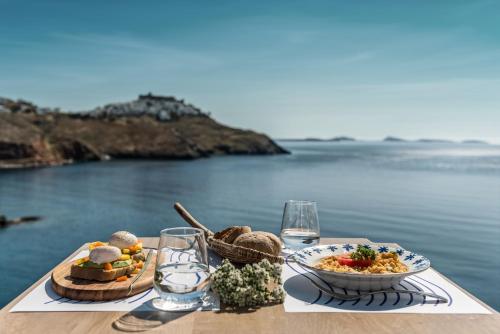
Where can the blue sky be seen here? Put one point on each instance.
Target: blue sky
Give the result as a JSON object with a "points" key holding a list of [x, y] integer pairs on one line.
{"points": [[290, 69]]}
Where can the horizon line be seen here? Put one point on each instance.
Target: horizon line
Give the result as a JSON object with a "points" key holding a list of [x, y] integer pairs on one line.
{"points": [[347, 139]]}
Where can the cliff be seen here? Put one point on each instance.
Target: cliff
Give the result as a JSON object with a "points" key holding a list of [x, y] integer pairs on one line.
{"points": [[151, 127]]}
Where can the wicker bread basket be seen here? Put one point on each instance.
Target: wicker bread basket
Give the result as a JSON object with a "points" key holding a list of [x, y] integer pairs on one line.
{"points": [[234, 253]]}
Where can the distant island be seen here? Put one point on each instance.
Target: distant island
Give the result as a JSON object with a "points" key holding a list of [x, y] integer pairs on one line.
{"points": [[474, 141], [150, 127], [424, 140], [342, 138], [438, 141], [312, 139], [390, 139], [430, 141], [394, 139]]}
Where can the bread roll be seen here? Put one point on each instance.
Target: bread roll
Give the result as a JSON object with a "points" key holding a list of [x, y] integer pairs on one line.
{"points": [[274, 239], [260, 241], [230, 234]]}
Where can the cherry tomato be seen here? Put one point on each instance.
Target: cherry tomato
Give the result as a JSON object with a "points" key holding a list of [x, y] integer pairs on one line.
{"points": [[346, 260]]}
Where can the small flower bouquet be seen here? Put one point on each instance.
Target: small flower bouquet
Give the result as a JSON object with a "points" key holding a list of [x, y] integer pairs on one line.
{"points": [[253, 285]]}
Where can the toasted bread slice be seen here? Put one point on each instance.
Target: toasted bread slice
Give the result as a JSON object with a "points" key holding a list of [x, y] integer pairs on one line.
{"points": [[98, 274]]}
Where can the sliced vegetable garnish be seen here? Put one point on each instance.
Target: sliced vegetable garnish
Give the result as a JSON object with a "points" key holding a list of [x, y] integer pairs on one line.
{"points": [[95, 244], [121, 278], [363, 253], [108, 266], [346, 260], [135, 248], [362, 257], [82, 260]]}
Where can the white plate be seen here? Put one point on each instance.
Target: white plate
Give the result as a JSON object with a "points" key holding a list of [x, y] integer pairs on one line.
{"points": [[310, 256]]}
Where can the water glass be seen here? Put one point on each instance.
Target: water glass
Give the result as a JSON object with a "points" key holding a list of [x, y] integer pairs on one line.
{"points": [[300, 225], [182, 275]]}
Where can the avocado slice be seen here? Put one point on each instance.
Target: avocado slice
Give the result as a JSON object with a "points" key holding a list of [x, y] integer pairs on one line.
{"points": [[90, 264], [119, 264]]}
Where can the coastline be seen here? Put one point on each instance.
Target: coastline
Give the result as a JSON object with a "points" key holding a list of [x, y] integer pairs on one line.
{"points": [[151, 127]]}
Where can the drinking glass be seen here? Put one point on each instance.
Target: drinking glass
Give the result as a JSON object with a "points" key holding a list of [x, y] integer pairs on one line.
{"points": [[182, 275], [300, 225]]}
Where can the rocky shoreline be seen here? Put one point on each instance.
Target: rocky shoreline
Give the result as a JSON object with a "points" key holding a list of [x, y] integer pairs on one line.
{"points": [[151, 127]]}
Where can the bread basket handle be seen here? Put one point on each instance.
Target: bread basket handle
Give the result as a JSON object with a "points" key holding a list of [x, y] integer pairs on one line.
{"points": [[190, 219]]}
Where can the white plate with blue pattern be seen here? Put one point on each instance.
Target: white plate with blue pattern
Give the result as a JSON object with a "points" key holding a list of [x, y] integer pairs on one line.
{"points": [[309, 257]]}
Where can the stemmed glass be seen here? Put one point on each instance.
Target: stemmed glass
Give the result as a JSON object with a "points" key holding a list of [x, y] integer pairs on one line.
{"points": [[182, 275], [300, 225]]}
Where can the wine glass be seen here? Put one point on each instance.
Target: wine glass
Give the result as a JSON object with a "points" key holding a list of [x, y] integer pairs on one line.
{"points": [[300, 225], [182, 275]]}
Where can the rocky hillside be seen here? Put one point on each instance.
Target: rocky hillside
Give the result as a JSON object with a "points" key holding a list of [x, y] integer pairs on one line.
{"points": [[151, 127]]}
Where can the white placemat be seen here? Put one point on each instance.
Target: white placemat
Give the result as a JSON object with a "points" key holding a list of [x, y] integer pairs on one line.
{"points": [[302, 296], [44, 299]]}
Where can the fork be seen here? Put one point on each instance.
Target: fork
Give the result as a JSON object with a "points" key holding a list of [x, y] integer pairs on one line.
{"points": [[342, 296], [145, 265]]}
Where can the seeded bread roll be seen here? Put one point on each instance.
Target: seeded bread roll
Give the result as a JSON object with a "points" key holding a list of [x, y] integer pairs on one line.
{"points": [[260, 241], [230, 234]]}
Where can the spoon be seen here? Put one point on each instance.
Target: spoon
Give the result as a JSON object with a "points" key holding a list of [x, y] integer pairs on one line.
{"points": [[364, 294]]}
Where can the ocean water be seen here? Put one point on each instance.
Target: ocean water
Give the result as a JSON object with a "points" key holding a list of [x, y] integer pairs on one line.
{"points": [[440, 200]]}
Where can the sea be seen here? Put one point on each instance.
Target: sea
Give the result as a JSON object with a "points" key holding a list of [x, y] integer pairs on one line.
{"points": [[441, 200]]}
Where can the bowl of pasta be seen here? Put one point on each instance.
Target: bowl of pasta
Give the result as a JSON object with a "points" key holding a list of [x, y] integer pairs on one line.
{"points": [[369, 267]]}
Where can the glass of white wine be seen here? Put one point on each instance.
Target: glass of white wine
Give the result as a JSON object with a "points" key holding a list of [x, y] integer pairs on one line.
{"points": [[182, 276], [300, 225]]}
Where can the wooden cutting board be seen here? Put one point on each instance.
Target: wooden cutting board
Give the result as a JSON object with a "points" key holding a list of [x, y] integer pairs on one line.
{"points": [[80, 289]]}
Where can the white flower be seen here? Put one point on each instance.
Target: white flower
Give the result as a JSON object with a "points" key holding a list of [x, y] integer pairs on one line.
{"points": [[248, 286]]}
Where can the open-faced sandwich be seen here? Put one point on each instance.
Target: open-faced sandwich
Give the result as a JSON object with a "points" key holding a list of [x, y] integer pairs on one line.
{"points": [[116, 259]]}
